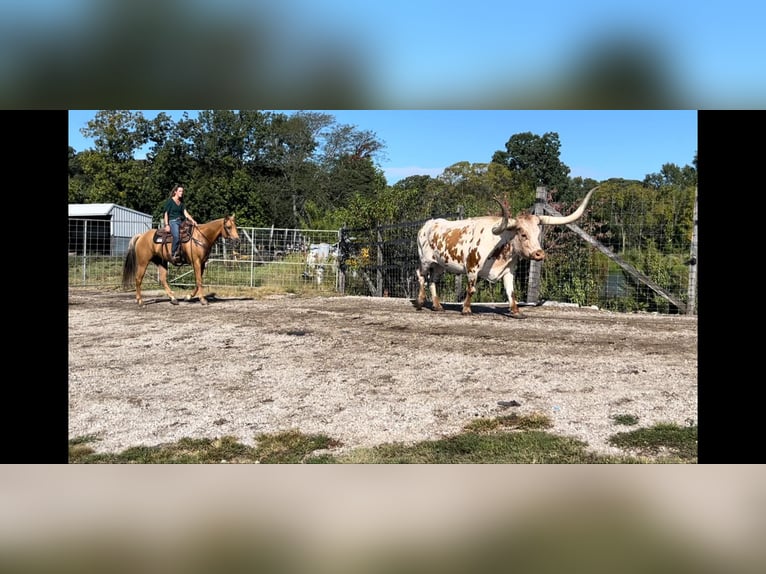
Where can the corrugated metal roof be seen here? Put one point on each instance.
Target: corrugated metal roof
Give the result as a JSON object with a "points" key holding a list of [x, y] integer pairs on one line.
{"points": [[98, 209]]}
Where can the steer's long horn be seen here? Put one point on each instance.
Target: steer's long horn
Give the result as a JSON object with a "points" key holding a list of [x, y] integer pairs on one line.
{"points": [[505, 223], [564, 219]]}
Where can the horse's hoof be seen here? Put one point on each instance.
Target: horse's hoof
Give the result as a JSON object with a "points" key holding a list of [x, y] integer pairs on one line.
{"points": [[517, 315], [174, 301], [203, 301]]}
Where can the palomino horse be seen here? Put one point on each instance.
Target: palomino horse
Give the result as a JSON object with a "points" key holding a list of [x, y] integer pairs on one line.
{"points": [[150, 246]]}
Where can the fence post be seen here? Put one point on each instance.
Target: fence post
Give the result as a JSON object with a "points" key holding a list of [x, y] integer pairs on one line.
{"points": [[84, 250], [459, 278], [379, 261], [535, 267], [342, 256], [692, 289]]}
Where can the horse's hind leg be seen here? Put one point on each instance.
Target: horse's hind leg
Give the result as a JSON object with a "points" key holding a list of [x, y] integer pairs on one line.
{"points": [[140, 271]]}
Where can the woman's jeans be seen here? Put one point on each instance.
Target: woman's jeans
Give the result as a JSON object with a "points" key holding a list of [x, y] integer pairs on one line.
{"points": [[175, 231]]}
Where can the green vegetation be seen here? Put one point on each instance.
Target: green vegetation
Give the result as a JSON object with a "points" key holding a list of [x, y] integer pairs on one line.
{"points": [[627, 420], [304, 171], [659, 440], [510, 439], [283, 276]]}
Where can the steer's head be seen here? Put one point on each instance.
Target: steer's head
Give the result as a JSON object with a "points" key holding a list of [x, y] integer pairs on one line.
{"points": [[526, 228], [526, 237]]}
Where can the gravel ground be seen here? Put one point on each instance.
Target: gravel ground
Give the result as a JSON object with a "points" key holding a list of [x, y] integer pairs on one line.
{"points": [[365, 371]]}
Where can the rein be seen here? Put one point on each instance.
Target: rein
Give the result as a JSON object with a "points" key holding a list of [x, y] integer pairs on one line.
{"points": [[206, 245], [209, 244]]}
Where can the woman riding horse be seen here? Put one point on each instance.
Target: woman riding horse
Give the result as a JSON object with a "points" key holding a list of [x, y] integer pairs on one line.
{"points": [[145, 248]]}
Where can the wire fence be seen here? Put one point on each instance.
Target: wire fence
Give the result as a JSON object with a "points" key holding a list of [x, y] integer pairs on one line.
{"points": [[657, 276], [267, 257]]}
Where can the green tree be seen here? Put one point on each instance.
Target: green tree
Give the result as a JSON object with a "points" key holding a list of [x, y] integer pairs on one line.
{"points": [[576, 190], [78, 182], [536, 159], [348, 175], [169, 162], [426, 197], [674, 189], [296, 141], [671, 174], [111, 172], [370, 204]]}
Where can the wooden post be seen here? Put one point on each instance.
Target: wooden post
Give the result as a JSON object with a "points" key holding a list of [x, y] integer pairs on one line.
{"points": [[535, 267], [459, 278], [692, 289], [341, 261], [379, 287]]}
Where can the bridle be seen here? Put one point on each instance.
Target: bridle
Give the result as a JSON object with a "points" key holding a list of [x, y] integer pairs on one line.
{"points": [[226, 233]]}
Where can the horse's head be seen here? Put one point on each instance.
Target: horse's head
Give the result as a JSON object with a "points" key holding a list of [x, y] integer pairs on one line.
{"points": [[230, 233]]}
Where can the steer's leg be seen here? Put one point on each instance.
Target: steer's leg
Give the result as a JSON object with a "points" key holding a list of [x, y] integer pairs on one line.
{"points": [[437, 304], [422, 272], [421, 275], [513, 309], [436, 273], [469, 293]]}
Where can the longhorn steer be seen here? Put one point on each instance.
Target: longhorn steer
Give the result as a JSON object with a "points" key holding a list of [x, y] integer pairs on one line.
{"points": [[488, 247]]}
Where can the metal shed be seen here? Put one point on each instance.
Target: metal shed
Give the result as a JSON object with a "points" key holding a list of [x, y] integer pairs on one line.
{"points": [[104, 228]]}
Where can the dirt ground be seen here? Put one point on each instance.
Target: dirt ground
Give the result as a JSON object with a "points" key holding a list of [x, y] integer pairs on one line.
{"points": [[365, 371]]}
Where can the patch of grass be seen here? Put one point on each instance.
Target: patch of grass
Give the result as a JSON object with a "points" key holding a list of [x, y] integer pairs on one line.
{"points": [[285, 275], [509, 422], [627, 420], [291, 447], [265, 291], [184, 451], [79, 447], [508, 439], [660, 440], [287, 448], [478, 448]]}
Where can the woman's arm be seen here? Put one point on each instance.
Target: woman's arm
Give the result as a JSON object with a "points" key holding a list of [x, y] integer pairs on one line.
{"points": [[189, 217]]}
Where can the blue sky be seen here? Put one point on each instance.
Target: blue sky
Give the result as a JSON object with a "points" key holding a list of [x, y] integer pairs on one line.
{"points": [[400, 54], [597, 144], [713, 51]]}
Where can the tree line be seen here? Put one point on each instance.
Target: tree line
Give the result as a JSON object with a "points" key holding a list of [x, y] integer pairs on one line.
{"points": [[307, 171]]}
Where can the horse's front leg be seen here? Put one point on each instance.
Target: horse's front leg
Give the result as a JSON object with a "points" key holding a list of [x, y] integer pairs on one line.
{"points": [[164, 280], [198, 269]]}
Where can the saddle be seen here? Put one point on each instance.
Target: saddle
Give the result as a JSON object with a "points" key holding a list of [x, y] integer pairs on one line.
{"points": [[184, 234]]}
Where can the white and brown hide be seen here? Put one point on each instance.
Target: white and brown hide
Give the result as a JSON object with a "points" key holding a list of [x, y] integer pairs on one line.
{"points": [[487, 247]]}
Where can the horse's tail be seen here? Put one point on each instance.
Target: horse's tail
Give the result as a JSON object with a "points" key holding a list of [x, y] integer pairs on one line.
{"points": [[129, 266]]}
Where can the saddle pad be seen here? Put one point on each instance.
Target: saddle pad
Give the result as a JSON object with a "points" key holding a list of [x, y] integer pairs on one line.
{"points": [[161, 236]]}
